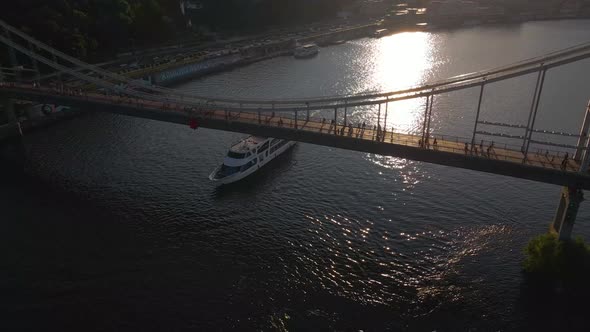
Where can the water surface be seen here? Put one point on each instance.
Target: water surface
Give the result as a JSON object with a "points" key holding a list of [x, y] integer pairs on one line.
{"points": [[116, 226]]}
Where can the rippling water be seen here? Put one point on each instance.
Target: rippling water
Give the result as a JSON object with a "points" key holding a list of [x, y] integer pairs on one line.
{"points": [[115, 225]]}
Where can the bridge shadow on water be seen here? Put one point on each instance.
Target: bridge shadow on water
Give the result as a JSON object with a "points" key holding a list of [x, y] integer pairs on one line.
{"points": [[262, 177]]}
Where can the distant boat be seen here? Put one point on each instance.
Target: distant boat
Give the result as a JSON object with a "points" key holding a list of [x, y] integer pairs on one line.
{"points": [[338, 42], [306, 51], [380, 33], [247, 156]]}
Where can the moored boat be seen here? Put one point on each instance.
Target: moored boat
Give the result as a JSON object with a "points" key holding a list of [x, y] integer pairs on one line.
{"points": [[306, 51], [380, 33]]}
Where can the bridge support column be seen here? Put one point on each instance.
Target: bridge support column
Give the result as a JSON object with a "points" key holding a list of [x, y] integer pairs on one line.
{"points": [[425, 119], [345, 111], [335, 121], [386, 107], [427, 133], [35, 64], [477, 116], [533, 114], [532, 127], [569, 202], [378, 117]]}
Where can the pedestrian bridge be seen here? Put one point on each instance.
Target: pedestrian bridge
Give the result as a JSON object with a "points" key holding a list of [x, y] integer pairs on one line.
{"points": [[522, 156]]}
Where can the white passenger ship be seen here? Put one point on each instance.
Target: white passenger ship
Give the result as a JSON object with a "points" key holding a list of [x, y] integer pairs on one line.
{"points": [[306, 51], [247, 156]]}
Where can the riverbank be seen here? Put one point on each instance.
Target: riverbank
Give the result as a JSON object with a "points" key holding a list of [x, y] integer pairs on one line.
{"points": [[192, 66]]}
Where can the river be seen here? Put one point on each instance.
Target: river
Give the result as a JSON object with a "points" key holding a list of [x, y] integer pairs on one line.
{"points": [[114, 225]]}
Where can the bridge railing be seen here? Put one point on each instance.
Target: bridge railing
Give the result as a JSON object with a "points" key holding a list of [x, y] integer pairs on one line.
{"points": [[119, 84], [447, 143]]}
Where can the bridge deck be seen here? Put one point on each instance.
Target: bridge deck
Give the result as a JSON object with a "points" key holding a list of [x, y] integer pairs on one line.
{"points": [[448, 150], [551, 161]]}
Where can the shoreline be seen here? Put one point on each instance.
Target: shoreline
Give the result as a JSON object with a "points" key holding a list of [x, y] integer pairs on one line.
{"points": [[180, 73]]}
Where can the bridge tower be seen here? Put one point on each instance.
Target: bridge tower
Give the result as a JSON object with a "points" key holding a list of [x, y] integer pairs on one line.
{"points": [[571, 197], [582, 154], [569, 202]]}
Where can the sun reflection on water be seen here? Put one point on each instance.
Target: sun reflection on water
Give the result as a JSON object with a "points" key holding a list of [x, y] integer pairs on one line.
{"points": [[362, 261], [401, 61]]}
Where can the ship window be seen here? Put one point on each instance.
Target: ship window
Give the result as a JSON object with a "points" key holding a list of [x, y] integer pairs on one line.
{"points": [[236, 155], [278, 146], [248, 165], [228, 170], [263, 147]]}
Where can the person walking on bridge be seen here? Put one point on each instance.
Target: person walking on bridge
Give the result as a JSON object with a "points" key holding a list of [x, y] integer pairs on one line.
{"points": [[564, 162]]}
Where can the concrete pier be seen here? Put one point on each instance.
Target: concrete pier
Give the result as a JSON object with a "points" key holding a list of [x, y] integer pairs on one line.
{"points": [[569, 202]]}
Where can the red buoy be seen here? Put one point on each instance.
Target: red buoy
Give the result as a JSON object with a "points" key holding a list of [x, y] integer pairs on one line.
{"points": [[193, 124]]}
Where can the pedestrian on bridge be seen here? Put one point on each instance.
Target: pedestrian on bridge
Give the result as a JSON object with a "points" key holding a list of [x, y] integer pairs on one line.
{"points": [[564, 161]]}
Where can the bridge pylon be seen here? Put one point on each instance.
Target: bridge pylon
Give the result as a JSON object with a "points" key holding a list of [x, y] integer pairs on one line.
{"points": [[565, 216], [582, 154]]}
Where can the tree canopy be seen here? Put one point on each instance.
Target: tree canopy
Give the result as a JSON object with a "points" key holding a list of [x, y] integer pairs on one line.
{"points": [[84, 27], [89, 27]]}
